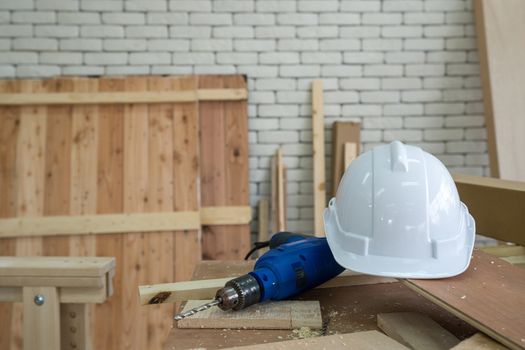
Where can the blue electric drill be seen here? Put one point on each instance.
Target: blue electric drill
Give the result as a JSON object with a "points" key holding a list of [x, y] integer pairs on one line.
{"points": [[293, 264]]}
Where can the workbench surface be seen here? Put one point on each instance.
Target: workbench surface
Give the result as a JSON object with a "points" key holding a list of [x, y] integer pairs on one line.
{"points": [[344, 310]]}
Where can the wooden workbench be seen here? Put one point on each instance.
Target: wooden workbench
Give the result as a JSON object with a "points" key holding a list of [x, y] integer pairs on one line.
{"points": [[344, 310]]}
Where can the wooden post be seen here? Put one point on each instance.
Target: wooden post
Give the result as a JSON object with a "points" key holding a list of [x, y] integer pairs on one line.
{"points": [[342, 132], [318, 156], [41, 318], [74, 327]]}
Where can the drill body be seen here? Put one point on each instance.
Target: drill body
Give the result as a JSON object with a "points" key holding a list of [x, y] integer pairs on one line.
{"points": [[293, 264]]}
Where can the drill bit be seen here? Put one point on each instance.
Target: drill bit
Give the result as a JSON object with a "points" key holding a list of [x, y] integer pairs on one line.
{"points": [[193, 311]]}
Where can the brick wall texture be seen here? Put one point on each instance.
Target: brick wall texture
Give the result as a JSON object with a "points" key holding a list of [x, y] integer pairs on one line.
{"points": [[406, 70]]}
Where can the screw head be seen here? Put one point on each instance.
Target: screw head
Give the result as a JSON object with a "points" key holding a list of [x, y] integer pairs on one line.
{"points": [[39, 299]]}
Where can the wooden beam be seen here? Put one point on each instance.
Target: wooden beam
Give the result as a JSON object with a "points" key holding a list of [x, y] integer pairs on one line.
{"points": [[205, 289], [342, 132], [41, 322], [180, 291], [319, 190], [498, 206], [489, 287], [369, 340], [75, 98], [287, 314], [479, 341], [75, 326], [227, 215], [123, 223], [55, 266], [417, 331], [99, 224]]}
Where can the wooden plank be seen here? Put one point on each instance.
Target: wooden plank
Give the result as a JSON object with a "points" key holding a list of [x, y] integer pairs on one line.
{"points": [[134, 262], [55, 266], [350, 153], [36, 281], [121, 97], [371, 340], [500, 31], [180, 291], [41, 322], [342, 133], [224, 166], [288, 314], [99, 224], [206, 288], [497, 205], [160, 194], [9, 133], [416, 331], [489, 296], [318, 156], [107, 316], [479, 341], [30, 167], [187, 191], [227, 215], [58, 164]]}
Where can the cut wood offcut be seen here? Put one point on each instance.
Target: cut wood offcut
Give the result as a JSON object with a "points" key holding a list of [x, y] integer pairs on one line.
{"points": [[287, 314]]}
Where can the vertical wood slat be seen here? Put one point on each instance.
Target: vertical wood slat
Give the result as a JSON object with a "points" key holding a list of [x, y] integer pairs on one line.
{"points": [[159, 198], [224, 170], [110, 199], [9, 131], [135, 194]]}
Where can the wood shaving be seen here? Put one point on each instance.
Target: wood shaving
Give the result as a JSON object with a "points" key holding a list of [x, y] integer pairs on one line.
{"points": [[304, 333]]}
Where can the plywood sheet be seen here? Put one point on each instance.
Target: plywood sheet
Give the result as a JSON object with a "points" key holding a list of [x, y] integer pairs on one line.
{"points": [[489, 295], [500, 32], [287, 314]]}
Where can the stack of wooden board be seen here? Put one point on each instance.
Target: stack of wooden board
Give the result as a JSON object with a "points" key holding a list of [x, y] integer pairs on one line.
{"points": [[147, 159]]}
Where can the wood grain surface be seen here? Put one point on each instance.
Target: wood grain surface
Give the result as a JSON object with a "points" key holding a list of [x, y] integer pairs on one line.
{"points": [[489, 295], [344, 309]]}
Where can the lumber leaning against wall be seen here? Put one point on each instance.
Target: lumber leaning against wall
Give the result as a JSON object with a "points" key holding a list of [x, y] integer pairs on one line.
{"points": [[500, 28], [58, 160]]}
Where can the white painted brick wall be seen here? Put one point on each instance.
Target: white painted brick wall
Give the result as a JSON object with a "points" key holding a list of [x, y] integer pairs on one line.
{"points": [[406, 69]]}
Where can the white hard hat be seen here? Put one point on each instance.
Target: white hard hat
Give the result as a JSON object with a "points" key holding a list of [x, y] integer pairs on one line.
{"points": [[397, 213]]}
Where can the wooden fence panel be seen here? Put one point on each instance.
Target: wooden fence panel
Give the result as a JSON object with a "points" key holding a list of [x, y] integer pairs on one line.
{"points": [[121, 158]]}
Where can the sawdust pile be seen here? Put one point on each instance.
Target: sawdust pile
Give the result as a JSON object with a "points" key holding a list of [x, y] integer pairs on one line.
{"points": [[304, 333]]}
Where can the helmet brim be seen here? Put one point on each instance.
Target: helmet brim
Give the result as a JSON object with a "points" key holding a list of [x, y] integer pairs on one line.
{"points": [[431, 268]]}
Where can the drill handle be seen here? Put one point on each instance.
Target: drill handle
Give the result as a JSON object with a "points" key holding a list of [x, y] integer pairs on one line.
{"points": [[284, 237]]}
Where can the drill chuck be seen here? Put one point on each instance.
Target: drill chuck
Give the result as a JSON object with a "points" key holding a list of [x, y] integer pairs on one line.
{"points": [[239, 293]]}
